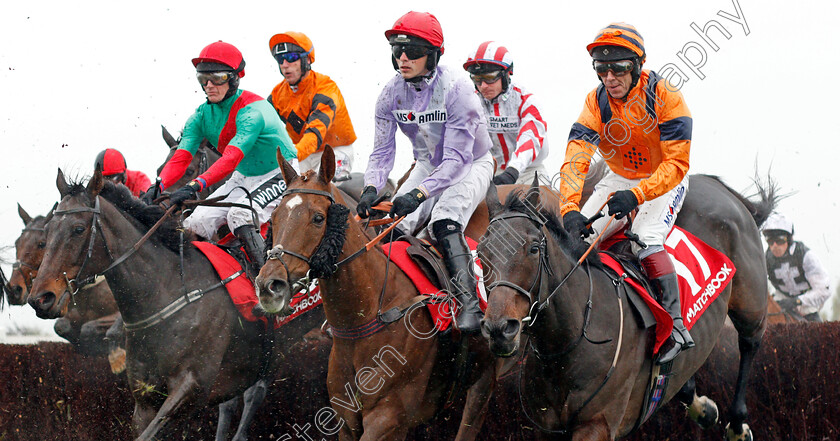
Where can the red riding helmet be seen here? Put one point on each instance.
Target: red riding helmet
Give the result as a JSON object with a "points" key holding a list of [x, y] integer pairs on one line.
{"points": [[111, 161], [222, 53], [419, 24]]}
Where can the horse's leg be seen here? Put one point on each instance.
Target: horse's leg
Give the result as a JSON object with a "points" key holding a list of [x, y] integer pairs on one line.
{"points": [[593, 430], [142, 417], [385, 422], [226, 411], [254, 397], [701, 410], [738, 429], [477, 401], [115, 335], [183, 394]]}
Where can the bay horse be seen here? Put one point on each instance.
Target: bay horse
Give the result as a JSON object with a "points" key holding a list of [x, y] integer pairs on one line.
{"points": [[777, 316], [382, 383], [195, 353], [86, 317], [587, 374]]}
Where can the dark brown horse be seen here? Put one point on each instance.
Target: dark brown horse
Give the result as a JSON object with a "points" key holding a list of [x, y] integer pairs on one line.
{"points": [[586, 375], [86, 317], [383, 383], [187, 345]]}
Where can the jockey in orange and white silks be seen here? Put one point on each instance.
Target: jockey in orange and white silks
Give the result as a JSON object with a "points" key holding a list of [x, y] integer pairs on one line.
{"points": [[514, 120], [643, 130], [800, 280], [311, 105]]}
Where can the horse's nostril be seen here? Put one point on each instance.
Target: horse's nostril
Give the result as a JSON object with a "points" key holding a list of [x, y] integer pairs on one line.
{"points": [[276, 286], [512, 327]]}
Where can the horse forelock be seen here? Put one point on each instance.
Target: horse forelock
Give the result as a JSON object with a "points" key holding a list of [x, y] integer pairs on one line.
{"points": [[147, 215], [574, 248]]}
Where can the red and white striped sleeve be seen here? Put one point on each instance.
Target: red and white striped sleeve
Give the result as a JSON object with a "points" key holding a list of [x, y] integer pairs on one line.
{"points": [[531, 137]]}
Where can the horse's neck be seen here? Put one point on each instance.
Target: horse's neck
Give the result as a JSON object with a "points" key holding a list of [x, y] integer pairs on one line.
{"points": [[149, 279], [563, 318], [352, 295]]}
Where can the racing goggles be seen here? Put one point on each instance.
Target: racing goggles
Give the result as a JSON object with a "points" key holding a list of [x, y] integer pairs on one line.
{"points": [[217, 78], [291, 57], [778, 240], [412, 51], [488, 78], [617, 67]]}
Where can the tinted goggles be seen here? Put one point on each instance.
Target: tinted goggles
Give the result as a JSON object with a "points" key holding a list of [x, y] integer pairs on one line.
{"points": [[776, 240], [217, 78], [412, 51], [291, 57], [617, 67], [489, 78]]}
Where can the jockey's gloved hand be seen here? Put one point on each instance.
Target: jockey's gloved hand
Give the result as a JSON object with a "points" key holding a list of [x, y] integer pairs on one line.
{"points": [[622, 203], [366, 201], [188, 192], [575, 224], [150, 195], [789, 303], [507, 177], [405, 204]]}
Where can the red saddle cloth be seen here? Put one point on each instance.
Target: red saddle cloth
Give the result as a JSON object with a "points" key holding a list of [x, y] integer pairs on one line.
{"points": [[241, 289], [438, 305], [702, 271]]}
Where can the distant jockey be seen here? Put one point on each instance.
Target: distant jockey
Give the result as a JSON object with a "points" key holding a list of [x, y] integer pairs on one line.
{"points": [[801, 282], [514, 120], [113, 167], [311, 105]]}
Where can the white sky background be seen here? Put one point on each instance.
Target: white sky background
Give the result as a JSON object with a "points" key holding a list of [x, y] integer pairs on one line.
{"points": [[78, 77]]}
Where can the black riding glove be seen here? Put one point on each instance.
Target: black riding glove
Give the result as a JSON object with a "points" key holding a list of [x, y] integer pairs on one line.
{"points": [[622, 203], [150, 195], [188, 192], [507, 177], [407, 203], [575, 224], [366, 201], [789, 303]]}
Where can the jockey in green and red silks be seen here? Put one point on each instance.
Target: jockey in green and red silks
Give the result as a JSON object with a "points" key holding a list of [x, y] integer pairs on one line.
{"points": [[248, 132]]}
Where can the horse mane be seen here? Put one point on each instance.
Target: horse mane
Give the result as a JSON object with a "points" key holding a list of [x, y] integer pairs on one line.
{"points": [[574, 248], [169, 232], [768, 198]]}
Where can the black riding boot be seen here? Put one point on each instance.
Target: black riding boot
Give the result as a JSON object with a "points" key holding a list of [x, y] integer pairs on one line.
{"points": [[663, 277], [668, 291], [254, 245], [459, 264]]}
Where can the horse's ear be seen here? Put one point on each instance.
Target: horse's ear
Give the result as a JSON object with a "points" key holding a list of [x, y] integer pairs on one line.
{"points": [[289, 173], [533, 196], [494, 206], [168, 138], [61, 183], [97, 181], [327, 171], [24, 215], [52, 211]]}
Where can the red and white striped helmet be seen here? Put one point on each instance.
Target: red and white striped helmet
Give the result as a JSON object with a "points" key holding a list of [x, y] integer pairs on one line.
{"points": [[491, 52]]}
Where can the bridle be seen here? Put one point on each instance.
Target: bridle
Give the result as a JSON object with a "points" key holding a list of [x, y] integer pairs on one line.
{"points": [[539, 306], [18, 265], [75, 284]]}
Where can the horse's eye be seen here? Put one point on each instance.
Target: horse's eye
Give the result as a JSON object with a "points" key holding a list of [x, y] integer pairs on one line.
{"points": [[535, 248], [190, 171], [78, 230], [42, 245], [318, 218]]}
